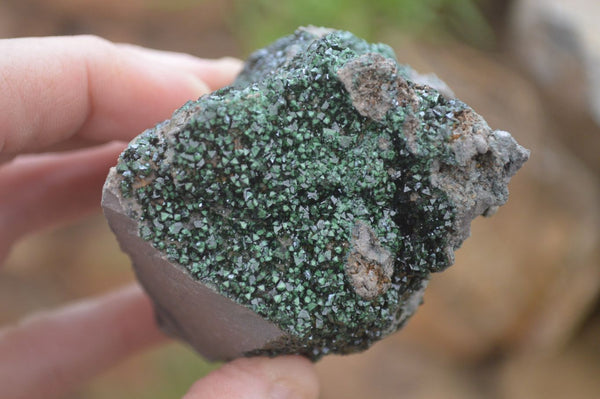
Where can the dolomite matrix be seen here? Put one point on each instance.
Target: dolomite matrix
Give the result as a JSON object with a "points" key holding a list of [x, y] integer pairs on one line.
{"points": [[303, 208]]}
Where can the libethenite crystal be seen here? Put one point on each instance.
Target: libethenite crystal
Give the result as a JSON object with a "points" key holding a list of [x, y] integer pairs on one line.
{"points": [[303, 208]]}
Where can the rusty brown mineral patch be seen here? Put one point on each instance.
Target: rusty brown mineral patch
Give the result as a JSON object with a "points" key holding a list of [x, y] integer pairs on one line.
{"points": [[369, 266]]}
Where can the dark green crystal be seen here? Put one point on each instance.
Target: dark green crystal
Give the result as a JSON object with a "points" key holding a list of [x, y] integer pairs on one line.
{"points": [[264, 189]]}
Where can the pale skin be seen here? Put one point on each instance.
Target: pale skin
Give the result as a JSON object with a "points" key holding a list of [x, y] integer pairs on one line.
{"points": [[68, 105]]}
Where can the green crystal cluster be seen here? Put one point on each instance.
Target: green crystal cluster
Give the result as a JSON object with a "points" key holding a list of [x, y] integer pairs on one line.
{"points": [[258, 191]]}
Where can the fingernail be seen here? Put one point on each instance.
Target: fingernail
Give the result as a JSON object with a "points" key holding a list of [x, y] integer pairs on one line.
{"points": [[230, 63], [197, 85]]}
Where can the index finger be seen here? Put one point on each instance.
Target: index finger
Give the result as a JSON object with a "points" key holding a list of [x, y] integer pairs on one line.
{"points": [[85, 89]]}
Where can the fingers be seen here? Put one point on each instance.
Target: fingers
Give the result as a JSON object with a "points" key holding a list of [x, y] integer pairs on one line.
{"points": [[38, 191], [214, 74], [87, 89], [50, 353], [284, 377]]}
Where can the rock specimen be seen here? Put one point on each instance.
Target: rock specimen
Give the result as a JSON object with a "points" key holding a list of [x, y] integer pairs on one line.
{"points": [[302, 209]]}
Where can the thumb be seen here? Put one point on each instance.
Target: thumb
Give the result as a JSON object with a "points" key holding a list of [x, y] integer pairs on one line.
{"points": [[286, 377]]}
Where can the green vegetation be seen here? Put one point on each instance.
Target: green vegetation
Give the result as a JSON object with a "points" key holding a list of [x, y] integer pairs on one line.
{"points": [[257, 23]]}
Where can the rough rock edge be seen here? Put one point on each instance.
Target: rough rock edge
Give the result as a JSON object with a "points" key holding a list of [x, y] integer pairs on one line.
{"points": [[375, 86]]}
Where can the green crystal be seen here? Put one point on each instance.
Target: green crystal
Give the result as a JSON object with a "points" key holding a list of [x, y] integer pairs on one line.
{"points": [[322, 163]]}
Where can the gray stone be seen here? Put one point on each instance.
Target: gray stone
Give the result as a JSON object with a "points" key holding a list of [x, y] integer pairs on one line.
{"points": [[302, 209]]}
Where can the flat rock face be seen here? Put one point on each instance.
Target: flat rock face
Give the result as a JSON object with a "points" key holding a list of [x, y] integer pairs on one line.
{"points": [[302, 209]]}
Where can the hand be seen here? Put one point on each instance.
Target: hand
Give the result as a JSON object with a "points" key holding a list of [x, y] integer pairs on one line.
{"points": [[87, 96]]}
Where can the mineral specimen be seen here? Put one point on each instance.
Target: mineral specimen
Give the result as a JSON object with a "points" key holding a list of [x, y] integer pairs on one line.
{"points": [[303, 208]]}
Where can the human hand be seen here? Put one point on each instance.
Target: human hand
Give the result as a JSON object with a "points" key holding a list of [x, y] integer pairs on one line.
{"points": [[67, 106]]}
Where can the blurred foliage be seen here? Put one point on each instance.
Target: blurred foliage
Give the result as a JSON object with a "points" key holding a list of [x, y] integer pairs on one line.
{"points": [[259, 22]]}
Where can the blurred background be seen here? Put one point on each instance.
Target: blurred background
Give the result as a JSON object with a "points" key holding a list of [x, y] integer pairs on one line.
{"points": [[517, 316]]}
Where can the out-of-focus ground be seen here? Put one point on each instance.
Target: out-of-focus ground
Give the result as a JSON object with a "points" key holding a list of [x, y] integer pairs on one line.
{"points": [[517, 316]]}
